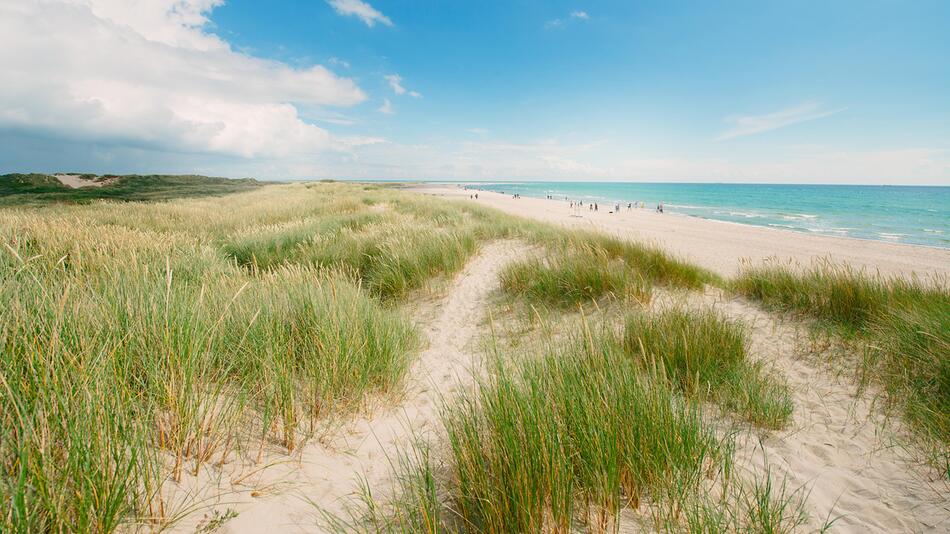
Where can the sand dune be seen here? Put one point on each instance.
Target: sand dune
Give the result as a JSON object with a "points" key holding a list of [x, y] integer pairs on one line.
{"points": [[838, 448]]}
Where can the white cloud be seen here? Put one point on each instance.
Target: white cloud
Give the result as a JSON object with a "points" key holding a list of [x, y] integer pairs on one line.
{"points": [[338, 61], [395, 83], [478, 131], [148, 74], [387, 107], [560, 22], [357, 8], [753, 124]]}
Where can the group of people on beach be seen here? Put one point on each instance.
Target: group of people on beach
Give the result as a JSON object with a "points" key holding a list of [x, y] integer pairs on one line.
{"points": [[591, 206]]}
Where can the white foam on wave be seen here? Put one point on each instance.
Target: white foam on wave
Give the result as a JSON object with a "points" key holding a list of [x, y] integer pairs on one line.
{"points": [[797, 216], [892, 236]]}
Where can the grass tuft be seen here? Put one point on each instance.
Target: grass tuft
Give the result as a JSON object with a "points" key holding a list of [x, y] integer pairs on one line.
{"points": [[566, 278], [905, 326], [705, 356]]}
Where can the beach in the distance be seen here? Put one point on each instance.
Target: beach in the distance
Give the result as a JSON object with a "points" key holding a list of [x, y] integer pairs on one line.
{"points": [[718, 245]]}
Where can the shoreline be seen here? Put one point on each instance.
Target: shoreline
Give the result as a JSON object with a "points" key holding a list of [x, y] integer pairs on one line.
{"points": [[722, 246]]}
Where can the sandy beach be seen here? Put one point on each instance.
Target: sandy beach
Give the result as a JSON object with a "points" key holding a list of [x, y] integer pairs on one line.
{"points": [[718, 245]]}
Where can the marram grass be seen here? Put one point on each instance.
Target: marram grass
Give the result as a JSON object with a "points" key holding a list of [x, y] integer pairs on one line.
{"points": [[566, 278], [705, 356], [905, 325], [142, 343], [565, 439]]}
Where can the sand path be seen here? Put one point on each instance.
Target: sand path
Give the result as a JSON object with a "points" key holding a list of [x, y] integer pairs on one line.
{"points": [[838, 445], [327, 472]]}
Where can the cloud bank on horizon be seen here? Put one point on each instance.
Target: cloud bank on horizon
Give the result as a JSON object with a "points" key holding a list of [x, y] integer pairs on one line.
{"points": [[309, 89]]}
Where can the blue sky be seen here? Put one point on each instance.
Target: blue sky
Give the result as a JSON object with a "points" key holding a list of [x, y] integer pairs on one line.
{"points": [[810, 92]]}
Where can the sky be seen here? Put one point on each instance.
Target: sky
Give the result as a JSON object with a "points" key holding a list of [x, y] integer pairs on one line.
{"points": [[655, 91]]}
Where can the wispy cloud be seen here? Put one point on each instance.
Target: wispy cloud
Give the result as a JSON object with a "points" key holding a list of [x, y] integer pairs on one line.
{"points": [[754, 124], [395, 83], [338, 61], [478, 131], [357, 8], [560, 22], [387, 107]]}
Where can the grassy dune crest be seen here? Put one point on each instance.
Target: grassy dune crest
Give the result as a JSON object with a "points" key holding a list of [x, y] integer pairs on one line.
{"points": [[43, 189], [567, 278], [652, 263], [905, 325]]}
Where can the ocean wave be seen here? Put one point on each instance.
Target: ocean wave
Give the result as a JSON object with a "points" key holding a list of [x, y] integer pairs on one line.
{"points": [[933, 231], [797, 216], [688, 206], [745, 214], [892, 235]]}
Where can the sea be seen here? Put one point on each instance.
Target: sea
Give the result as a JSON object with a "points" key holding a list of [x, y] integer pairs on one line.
{"points": [[918, 215]]}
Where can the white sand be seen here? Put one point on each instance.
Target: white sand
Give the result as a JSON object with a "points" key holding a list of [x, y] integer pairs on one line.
{"points": [[850, 461], [717, 245]]}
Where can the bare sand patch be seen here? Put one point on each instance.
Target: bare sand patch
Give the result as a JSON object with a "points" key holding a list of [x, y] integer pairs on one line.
{"points": [[853, 464]]}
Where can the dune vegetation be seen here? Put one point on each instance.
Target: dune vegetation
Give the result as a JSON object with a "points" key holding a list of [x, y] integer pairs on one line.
{"points": [[147, 342], [903, 327], [143, 340], [43, 189], [567, 436]]}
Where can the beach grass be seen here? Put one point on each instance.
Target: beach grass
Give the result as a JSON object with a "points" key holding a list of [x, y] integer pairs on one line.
{"points": [[706, 356], [566, 278], [577, 267], [145, 343], [650, 262], [137, 351], [545, 442], [567, 436], [903, 325]]}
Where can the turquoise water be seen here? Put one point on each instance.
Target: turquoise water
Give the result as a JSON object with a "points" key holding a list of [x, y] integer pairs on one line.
{"points": [[898, 214]]}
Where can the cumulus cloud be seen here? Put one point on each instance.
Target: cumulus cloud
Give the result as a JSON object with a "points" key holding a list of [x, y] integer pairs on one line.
{"points": [[754, 124], [357, 8], [395, 83], [387, 107], [149, 74]]}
